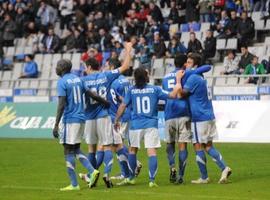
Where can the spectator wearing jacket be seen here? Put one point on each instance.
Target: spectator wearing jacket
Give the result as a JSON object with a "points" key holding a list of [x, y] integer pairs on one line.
{"points": [[175, 47], [254, 68], [51, 42], [66, 12], [30, 69], [194, 45], [8, 30], [245, 29], [246, 58], [209, 50]]}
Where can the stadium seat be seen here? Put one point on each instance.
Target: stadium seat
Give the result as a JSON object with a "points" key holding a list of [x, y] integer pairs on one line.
{"points": [[232, 81], [259, 25], [158, 68], [53, 93], [45, 73], [242, 81], [76, 59], [185, 38], [33, 84], [24, 84], [209, 82], [256, 16], [43, 84], [218, 70], [53, 84], [267, 26], [39, 59], [205, 26], [56, 58], [4, 84], [28, 50], [169, 65], [195, 27], [17, 70], [42, 92], [6, 75], [231, 43], [174, 28], [209, 73], [184, 28], [67, 56], [10, 51], [221, 44], [220, 81]]}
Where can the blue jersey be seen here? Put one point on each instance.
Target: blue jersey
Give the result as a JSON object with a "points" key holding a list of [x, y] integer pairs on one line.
{"points": [[175, 108], [99, 83], [144, 106], [119, 88], [71, 87], [200, 106]]}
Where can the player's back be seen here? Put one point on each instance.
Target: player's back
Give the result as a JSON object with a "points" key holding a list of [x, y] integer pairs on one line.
{"points": [[174, 108], [119, 87], [144, 105], [98, 83], [71, 86], [200, 105]]}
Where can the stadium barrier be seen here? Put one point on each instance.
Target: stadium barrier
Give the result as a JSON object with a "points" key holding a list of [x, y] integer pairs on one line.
{"points": [[237, 121]]}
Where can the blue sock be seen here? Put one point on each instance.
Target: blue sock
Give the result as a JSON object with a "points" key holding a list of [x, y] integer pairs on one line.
{"points": [[123, 161], [132, 163], [85, 162], [108, 161], [99, 158], [92, 159], [152, 164], [70, 163], [217, 157], [201, 161], [171, 154], [182, 162]]}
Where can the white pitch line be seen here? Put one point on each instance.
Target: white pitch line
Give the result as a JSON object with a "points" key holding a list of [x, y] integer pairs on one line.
{"points": [[129, 192]]}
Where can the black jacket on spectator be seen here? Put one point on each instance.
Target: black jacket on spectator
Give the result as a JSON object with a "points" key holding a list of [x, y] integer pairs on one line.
{"points": [[246, 29], [8, 31], [174, 15], [55, 44], [20, 20], [105, 43], [209, 47], [80, 42], [156, 14], [159, 49], [194, 47], [192, 13], [245, 60], [233, 26]]}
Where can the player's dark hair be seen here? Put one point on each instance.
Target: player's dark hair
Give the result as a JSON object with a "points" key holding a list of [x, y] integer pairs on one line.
{"points": [[115, 63], [180, 60], [64, 65], [93, 63], [196, 58], [140, 75]]}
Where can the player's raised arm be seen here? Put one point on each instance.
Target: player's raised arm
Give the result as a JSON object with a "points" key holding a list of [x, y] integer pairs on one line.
{"points": [[98, 98], [125, 65], [60, 110]]}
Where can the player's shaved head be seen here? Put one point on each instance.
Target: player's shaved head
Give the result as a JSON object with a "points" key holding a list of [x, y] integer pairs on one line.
{"points": [[141, 77], [180, 60], [63, 66]]}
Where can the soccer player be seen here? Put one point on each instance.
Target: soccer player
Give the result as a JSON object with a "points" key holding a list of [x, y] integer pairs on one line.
{"points": [[70, 106], [143, 99], [98, 127], [177, 119], [203, 123]]}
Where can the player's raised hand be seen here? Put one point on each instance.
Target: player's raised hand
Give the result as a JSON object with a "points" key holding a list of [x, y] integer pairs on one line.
{"points": [[55, 132], [128, 46]]}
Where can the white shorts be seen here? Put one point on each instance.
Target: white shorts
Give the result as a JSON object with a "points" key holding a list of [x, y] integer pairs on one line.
{"points": [[98, 131], [150, 136], [203, 132], [120, 135], [71, 133], [178, 130]]}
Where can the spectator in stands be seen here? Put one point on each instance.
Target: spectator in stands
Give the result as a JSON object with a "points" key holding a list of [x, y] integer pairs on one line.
{"points": [[47, 15], [66, 13], [30, 69], [223, 24], [80, 40], [101, 22], [254, 68], [104, 40], [8, 30], [69, 41], [20, 4], [205, 10], [192, 10], [245, 29], [158, 48], [230, 63], [155, 12], [143, 53], [209, 50], [194, 45], [11, 11], [118, 47], [246, 58], [30, 29], [173, 17], [175, 47], [232, 27], [21, 20], [51, 42]]}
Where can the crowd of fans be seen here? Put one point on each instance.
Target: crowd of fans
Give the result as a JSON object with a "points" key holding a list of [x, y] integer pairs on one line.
{"points": [[99, 26]]}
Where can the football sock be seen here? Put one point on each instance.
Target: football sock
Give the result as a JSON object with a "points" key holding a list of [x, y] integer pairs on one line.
{"points": [[123, 161], [92, 159], [70, 163], [132, 163], [171, 154], [201, 161], [84, 161], [182, 162], [217, 157], [108, 161], [99, 158], [152, 164]]}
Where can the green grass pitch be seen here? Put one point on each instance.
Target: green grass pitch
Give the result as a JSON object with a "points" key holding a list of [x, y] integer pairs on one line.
{"points": [[34, 169]]}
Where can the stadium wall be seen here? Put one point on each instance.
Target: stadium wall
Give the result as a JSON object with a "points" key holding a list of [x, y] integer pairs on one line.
{"points": [[237, 121]]}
